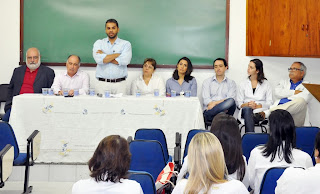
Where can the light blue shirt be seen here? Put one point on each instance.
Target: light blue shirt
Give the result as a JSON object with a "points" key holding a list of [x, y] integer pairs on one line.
{"points": [[173, 84], [110, 70], [212, 90]]}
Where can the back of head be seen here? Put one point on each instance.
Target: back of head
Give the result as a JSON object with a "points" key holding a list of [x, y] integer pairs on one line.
{"points": [[111, 159], [226, 129], [317, 147], [282, 136], [205, 163]]}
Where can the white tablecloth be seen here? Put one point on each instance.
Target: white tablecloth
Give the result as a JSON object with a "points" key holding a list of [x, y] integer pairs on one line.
{"points": [[71, 128]]}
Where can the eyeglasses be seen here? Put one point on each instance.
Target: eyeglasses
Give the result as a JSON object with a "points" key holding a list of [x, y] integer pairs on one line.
{"points": [[148, 66], [294, 69], [34, 58]]}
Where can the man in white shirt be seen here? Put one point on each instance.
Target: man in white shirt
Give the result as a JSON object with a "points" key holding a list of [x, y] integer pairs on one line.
{"points": [[292, 96], [298, 180], [72, 79]]}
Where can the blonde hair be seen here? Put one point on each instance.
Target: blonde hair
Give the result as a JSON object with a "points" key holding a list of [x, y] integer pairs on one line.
{"points": [[206, 163]]}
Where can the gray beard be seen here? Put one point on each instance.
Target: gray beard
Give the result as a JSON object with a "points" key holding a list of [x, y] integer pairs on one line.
{"points": [[33, 66]]}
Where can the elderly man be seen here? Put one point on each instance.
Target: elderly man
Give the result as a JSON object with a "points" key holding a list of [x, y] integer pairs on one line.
{"points": [[292, 95], [112, 56], [30, 78], [73, 79]]}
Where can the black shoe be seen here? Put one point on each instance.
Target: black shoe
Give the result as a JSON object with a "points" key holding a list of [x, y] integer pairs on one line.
{"points": [[257, 117]]}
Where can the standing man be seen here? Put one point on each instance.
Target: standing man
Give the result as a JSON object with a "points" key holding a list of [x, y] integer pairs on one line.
{"points": [[112, 56], [292, 96], [218, 92], [29, 78], [72, 78]]}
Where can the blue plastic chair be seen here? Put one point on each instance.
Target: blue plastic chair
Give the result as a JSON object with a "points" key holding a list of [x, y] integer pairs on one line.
{"points": [[154, 134], [269, 181], [7, 136], [251, 140], [305, 139], [6, 163], [145, 179], [147, 155], [190, 135]]}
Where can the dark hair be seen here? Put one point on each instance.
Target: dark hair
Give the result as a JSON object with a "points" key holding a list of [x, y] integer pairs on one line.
{"points": [[111, 160], [112, 21], [226, 128], [282, 136], [317, 142], [152, 61], [188, 76], [259, 67], [76, 56], [221, 59]]}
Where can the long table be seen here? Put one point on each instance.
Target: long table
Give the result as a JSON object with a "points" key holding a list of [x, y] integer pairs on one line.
{"points": [[71, 128]]}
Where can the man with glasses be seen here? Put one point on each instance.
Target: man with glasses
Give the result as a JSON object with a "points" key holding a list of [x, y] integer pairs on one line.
{"points": [[29, 78], [292, 95], [112, 56], [75, 81]]}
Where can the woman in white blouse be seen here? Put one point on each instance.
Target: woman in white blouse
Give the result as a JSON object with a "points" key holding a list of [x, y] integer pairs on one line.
{"points": [[207, 169], [254, 94], [279, 151], [147, 83]]}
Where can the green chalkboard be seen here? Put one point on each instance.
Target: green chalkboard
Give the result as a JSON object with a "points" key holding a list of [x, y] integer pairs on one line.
{"points": [[163, 29]]}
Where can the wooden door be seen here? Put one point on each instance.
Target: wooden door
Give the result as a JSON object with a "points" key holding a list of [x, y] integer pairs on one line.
{"points": [[313, 28]]}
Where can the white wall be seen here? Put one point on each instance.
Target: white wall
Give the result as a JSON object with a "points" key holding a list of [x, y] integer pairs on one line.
{"points": [[275, 67]]}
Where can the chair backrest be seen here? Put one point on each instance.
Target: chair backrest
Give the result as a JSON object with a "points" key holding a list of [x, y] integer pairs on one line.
{"points": [[251, 140], [6, 163], [145, 179], [190, 135], [3, 92], [147, 155], [153, 134], [269, 181], [305, 139], [7, 136]]}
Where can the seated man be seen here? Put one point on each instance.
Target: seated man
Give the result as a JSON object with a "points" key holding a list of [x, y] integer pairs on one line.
{"points": [[29, 78], [299, 180], [72, 78], [292, 96], [218, 92]]}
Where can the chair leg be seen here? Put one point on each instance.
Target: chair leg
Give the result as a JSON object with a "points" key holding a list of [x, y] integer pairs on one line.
{"points": [[263, 129], [26, 188]]}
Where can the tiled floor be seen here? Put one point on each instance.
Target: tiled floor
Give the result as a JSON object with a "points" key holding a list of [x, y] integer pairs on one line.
{"points": [[12, 187]]}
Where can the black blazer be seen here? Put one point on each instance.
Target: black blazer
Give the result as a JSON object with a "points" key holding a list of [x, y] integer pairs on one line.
{"points": [[44, 79]]}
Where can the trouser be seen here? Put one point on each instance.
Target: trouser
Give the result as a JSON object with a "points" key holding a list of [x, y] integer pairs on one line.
{"points": [[114, 87], [297, 108], [247, 115], [228, 105]]}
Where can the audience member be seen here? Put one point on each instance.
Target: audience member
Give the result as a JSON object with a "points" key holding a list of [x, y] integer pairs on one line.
{"points": [[254, 94], [148, 82], [278, 151], [181, 80], [109, 166]]}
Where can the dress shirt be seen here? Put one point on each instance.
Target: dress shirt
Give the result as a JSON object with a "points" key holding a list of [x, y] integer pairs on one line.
{"points": [[173, 84], [262, 95], [155, 82], [298, 180], [79, 81], [282, 90], [230, 187], [259, 164], [110, 70], [28, 80], [125, 186], [233, 176], [212, 90]]}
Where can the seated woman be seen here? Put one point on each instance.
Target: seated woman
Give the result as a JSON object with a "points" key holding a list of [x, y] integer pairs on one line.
{"points": [[254, 94], [109, 166], [207, 169], [148, 82], [182, 80], [298, 180], [279, 151], [226, 129]]}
